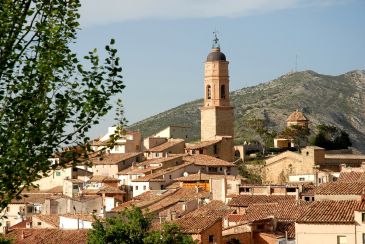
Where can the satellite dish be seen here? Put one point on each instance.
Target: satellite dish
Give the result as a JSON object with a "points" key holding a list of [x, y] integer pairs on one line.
{"points": [[185, 174]]}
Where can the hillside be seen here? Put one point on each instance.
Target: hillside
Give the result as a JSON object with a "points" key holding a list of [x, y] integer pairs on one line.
{"points": [[337, 100]]}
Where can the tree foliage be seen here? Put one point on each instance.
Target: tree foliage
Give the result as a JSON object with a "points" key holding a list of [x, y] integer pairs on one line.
{"points": [[263, 134], [48, 98], [331, 138], [299, 134], [131, 226]]}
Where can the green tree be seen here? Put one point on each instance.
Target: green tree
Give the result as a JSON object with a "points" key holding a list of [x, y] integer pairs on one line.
{"points": [[131, 226], [170, 234], [263, 134], [48, 98], [297, 133], [331, 138]]}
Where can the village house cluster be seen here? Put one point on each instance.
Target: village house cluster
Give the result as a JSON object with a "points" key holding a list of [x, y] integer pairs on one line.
{"points": [[315, 196]]}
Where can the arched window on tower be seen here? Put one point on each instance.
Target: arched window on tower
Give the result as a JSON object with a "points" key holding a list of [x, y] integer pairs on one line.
{"points": [[209, 92], [223, 91]]}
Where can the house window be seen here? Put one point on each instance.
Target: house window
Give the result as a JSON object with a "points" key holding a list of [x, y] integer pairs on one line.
{"points": [[170, 177], [75, 187], [144, 188], [212, 169], [363, 238], [39, 223], [223, 91], [301, 179], [58, 173], [136, 188], [211, 238], [209, 92], [215, 149], [291, 189], [307, 153], [341, 240], [363, 217]]}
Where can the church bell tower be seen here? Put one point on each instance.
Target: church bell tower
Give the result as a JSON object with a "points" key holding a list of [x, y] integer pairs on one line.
{"points": [[217, 113]]}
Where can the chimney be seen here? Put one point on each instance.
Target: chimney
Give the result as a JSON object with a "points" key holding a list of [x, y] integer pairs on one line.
{"points": [[6, 230]]}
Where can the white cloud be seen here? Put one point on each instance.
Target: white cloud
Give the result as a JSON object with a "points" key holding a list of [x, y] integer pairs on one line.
{"points": [[109, 11]]}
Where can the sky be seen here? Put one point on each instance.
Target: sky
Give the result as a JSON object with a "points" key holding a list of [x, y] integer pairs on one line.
{"points": [[163, 44]]}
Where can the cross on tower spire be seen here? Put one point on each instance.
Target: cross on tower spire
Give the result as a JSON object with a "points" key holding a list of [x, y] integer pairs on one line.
{"points": [[215, 40]]}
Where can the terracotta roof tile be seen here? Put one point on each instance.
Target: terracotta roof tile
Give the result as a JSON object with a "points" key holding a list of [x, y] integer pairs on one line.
{"points": [[288, 227], [114, 158], [202, 144], [48, 236], [247, 200], [52, 219], [205, 160], [204, 217], [167, 145], [102, 179], [351, 177], [296, 116], [157, 176], [284, 210], [334, 212], [206, 177], [341, 188]]}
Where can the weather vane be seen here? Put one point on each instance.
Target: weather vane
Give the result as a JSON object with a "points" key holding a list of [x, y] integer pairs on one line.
{"points": [[215, 40]]}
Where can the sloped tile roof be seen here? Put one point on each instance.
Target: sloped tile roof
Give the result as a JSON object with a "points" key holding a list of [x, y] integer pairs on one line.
{"points": [[331, 212], [48, 236], [103, 178], [52, 219], [202, 144], [113, 158], [247, 200], [284, 211], [204, 217], [205, 177], [351, 177], [341, 188], [205, 160], [157, 176], [167, 145], [296, 116]]}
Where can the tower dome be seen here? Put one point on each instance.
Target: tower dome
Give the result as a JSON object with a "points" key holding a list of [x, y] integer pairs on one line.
{"points": [[216, 55]]}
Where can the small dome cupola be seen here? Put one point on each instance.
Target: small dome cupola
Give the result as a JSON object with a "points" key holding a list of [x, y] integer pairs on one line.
{"points": [[216, 54]]}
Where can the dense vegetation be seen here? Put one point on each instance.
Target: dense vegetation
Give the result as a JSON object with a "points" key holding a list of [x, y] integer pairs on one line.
{"points": [[131, 226], [336, 100]]}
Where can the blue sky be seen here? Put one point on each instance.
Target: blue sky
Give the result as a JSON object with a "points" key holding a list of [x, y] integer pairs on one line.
{"points": [[163, 43]]}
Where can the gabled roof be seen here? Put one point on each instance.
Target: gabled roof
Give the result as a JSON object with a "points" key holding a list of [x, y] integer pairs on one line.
{"points": [[205, 160], [201, 144], [341, 188], [296, 116], [331, 212], [52, 219], [204, 217], [351, 177], [282, 211], [48, 236], [158, 176], [247, 200], [102, 179], [113, 158], [167, 145], [206, 177]]}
